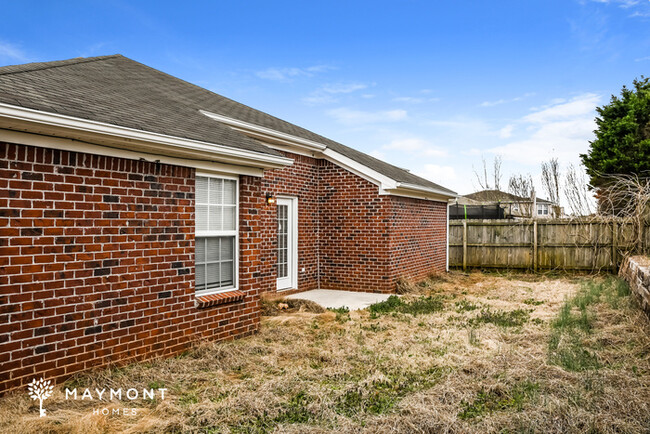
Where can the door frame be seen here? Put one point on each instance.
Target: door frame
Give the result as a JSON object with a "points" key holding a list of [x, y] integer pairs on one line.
{"points": [[291, 281]]}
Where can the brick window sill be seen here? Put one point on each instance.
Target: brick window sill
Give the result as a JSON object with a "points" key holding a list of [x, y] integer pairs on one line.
{"points": [[203, 301]]}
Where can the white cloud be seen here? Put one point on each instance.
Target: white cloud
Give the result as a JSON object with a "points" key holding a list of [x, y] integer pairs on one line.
{"points": [[325, 94], [416, 146], [443, 175], [579, 106], [284, 74], [506, 132], [414, 100], [343, 87], [642, 59], [10, 51], [561, 130], [505, 101], [355, 117]]}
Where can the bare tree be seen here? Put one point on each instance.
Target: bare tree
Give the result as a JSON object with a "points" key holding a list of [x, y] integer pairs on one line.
{"points": [[551, 183], [576, 192], [522, 186], [497, 172], [487, 180]]}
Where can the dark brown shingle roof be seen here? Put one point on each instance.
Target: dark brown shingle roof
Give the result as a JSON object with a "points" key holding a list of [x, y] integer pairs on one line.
{"points": [[117, 90], [500, 196]]}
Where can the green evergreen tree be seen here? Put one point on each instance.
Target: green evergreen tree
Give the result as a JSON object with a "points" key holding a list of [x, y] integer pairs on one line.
{"points": [[622, 144]]}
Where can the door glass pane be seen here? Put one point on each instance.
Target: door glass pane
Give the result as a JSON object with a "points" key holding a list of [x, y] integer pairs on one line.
{"points": [[282, 240]]}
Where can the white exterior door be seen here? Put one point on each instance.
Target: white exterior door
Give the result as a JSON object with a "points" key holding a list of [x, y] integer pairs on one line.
{"points": [[287, 265]]}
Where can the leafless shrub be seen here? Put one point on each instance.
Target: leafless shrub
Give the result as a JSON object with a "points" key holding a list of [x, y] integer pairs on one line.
{"points": [[627, 197]]}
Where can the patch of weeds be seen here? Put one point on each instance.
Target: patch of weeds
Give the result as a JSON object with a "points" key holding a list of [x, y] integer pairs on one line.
{"points": [[342, 313], [499, 400], [381, 396], [376, 328], [418, 306], [575, 319], [156, 385], [188, 399], [292, 412], [533, 302], [295, 411], [472, 337], [357, 401], [465, 306], [513, 318], [569, 352]]}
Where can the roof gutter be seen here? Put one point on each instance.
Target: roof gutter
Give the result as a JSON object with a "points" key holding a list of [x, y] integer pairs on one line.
{"points": [[25, 119], [407, 186]]}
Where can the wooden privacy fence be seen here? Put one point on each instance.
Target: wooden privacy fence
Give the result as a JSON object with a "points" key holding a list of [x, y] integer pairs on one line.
{"points": [[541, 244]]}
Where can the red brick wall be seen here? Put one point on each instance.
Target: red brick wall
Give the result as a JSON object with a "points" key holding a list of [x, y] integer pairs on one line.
{"points": [[301, 181], [354, 242], [418, 243], [350, 237], [97, 263]]}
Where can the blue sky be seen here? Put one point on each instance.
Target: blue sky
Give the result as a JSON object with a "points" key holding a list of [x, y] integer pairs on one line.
{"points": [[431, 86]]}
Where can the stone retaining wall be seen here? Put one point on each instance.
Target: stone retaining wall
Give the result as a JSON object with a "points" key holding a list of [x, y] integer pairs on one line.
{"points": [[636, 271]]}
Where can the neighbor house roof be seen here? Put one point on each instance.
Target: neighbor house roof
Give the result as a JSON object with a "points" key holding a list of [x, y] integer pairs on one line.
{"points": [[500, 196], [120, 91]]}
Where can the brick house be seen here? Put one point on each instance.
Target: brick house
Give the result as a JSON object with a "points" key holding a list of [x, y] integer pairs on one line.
{"points": [[140, 213]]}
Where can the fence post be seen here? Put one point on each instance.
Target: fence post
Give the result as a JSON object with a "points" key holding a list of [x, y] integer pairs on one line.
{"points": [[535, 265], [614, 250], [464, 245]]}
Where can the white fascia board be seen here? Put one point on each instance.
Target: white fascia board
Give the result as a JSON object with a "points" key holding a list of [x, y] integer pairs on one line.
{"points": [[447, 195], [384, 182], [137, 139], [265, 133], [41, 141], [387, 185]]}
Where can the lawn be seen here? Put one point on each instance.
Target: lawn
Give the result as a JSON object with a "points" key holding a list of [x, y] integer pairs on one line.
{"points": [[460, 353]]}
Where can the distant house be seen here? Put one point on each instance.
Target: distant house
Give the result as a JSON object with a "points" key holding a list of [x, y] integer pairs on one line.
{"points": [[140, 213], [512, 205]]}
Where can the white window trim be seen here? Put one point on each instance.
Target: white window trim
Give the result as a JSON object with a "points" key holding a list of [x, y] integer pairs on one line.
{"points": [[235, 286]]}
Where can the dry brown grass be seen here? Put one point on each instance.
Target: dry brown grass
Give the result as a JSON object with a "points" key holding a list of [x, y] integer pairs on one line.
{"points": [[360, 372]]}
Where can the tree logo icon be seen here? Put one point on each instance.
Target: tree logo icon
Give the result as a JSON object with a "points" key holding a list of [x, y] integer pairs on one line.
{"points": [[40, 390]]}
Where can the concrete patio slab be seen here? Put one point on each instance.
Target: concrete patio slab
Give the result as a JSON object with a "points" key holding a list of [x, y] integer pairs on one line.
{"points": [[335, 299]]}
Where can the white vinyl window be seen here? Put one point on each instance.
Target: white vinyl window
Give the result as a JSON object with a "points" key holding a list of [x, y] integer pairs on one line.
{"points": [[542, 209], [216, 234]]}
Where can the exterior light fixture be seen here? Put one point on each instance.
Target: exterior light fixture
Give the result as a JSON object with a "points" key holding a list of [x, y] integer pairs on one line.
{"points": [[270, 199]]}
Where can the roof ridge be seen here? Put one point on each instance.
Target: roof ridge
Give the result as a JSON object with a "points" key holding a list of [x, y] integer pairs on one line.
{"points": [[39, 66]]}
